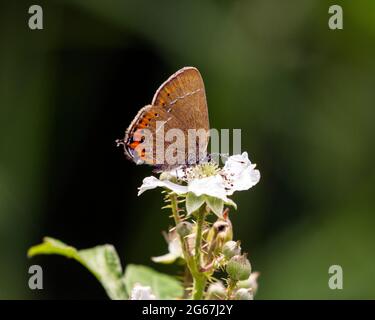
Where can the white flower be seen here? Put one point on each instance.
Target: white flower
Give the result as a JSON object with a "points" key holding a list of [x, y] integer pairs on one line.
{"points": [[250, 283], [238, 174], [213, 186], [174, 250], [153, 182], [253, 281], [141, 293], [216, 291], [243, 294]]}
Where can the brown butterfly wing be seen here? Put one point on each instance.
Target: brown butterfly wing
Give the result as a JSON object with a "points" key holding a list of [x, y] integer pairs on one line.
{"points": [[145, 122], [181, 103], [183, 95]]}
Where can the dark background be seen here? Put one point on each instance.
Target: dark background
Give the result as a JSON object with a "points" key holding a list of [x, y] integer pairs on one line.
{"points": [[302, 94]]}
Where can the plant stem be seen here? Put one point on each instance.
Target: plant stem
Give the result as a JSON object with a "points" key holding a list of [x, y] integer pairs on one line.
{"points": [[174, 205], [199, 282], [177, 220], [184, 244], [193, 262], [198, 238]]}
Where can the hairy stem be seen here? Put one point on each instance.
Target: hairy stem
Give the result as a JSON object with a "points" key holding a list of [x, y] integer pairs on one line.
{"points": [[199, 282], [174, 206], [177, 220], [198, 237], [193, 263], [184, 244]]}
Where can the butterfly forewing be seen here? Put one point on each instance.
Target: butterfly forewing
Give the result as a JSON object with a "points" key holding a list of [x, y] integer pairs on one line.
{"points": [[179, 103]]}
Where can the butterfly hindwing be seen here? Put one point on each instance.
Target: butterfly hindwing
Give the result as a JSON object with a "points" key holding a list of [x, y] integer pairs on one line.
{"points": [[179, 103]]}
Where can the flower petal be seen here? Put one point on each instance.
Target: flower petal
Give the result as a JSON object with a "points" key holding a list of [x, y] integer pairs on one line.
{"points": [[174, 248], [153, 182], [239, 173], [211, 186], [141, 293], [167, 258]]}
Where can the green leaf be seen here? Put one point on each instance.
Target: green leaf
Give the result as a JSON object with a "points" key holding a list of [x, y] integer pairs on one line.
{"points": [[216, 205], [102, 261], [162, 285], [193, 202]]}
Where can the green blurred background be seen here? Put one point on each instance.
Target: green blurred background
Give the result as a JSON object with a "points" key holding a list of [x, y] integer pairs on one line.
{"points": [[302, 94]]}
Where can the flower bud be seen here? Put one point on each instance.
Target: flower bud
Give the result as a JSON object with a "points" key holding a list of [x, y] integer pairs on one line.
{"points": [[219, 233], [223, 230], [250, 283], [184, 228], [216, 291], [238, 268], [231, 248], [243, 294]]}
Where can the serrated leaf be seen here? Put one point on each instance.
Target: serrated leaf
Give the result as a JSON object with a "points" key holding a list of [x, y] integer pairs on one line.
{"points": [[162, 286], [216, 205], [193, 202], [102, 261]]}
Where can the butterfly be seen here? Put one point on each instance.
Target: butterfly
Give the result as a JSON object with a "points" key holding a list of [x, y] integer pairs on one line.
{"points": [[178, 106]]}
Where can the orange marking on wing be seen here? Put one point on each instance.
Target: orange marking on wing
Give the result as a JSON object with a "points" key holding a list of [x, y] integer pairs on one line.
{"points": [[142, 155], [134, 144]]}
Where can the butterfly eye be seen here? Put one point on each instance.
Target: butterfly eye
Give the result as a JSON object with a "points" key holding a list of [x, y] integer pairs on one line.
{"points": [[156, 114]]}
